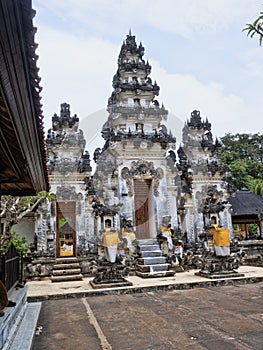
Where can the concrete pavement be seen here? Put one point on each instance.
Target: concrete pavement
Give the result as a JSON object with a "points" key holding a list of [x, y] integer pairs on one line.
{"points": [[46, 290], [212, 318], [85, 323]]}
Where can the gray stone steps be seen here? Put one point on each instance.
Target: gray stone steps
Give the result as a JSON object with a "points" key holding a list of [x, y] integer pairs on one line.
{"points": [[151, 263], [149, 247], [66, 278], [66, 266], [66, 260], [63, 272], [153, 260], [168, 273], [66, 269], [153, 268], [149, 241], [9, 323], [23, 338], [150, 253]]}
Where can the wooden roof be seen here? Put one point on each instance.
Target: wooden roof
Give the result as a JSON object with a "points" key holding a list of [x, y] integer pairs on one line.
{"points": [[23, 159], [246, 205]]}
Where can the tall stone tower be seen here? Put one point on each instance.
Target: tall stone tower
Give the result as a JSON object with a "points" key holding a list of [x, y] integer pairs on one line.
{"points": [[135, 169], [70, 222], [201, 182]]}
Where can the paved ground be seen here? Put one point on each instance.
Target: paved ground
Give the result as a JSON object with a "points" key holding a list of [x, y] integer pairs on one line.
{"points": [[43, 290], [224, 317]]}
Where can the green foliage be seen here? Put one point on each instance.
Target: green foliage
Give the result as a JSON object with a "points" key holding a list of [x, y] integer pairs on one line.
{"points": [[255, 28], [253, 230], [256, 186], [243, 153], [13, 209], [20, 243]]}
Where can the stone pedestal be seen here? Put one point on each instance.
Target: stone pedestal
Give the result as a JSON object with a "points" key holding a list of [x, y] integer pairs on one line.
{"points": [[122, 282], [109, 276], [221, 274], [219, 267]]}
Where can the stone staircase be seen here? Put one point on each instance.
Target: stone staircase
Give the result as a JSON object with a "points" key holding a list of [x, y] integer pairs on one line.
{"points": [[151, 263], [18, 325], [66, 269]]}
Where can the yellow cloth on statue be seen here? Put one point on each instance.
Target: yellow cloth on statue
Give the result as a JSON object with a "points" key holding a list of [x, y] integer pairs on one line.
{"points": [[110, 239], [130, 235], [221, 237], [165, 229]]}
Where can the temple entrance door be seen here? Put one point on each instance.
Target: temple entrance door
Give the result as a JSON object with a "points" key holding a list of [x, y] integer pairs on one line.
{"points": [[142, 201], [66, 229]]}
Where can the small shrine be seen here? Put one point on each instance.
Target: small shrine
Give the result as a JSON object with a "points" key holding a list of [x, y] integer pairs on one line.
{"points": [[217, 261]]}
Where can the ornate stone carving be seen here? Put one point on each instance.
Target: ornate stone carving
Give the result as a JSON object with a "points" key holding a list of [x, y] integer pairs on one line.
{"points": [[64, 166], [84, 163], [213, 201], [185, 173], [58, 134], [142, 169], [68, 193]]}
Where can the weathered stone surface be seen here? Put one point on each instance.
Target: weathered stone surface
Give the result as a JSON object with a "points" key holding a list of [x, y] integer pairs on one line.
{"points": [[200, 319], [66, 270], [65, 278]]}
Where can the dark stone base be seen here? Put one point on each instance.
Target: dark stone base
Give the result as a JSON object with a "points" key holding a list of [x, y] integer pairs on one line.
{"points": [[155, 274], [226, 274], [110, 284]]}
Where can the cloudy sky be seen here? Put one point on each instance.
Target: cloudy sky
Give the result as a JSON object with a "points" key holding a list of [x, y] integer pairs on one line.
{"points": [[199, 55]]}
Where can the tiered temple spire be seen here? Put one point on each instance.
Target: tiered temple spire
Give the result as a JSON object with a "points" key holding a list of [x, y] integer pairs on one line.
{"points": [[133, 108]]}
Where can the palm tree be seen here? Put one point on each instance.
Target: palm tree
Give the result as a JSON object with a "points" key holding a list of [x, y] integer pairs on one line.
{"points": [[255, 28], [256, 186]]}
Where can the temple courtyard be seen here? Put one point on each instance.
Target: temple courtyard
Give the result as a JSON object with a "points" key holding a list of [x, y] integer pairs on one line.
{"points": [[181, 312], [223, 317]]}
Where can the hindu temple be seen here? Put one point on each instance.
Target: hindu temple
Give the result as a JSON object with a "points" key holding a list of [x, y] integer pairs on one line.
{"points": [[143, 182]]}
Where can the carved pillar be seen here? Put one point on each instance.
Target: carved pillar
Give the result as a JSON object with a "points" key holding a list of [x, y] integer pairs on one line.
{"points": [[227, 220], [190, 223]]}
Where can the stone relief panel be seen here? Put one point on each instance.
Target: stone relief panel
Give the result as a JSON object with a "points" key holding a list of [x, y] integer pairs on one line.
{"points": [[68, 193]]}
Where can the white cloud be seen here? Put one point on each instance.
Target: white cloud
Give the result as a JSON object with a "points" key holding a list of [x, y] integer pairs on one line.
{"points": [[253, 62], [182, 93], [175, 16], [78, 69], [75, 70]]}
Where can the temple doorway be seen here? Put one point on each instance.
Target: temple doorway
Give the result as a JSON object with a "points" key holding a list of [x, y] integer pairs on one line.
{"points": [[66, 229], [142, 203]]}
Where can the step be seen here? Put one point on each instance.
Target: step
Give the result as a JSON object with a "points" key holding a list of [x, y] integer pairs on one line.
{"points": [[66, 278], [66, 260], [66, 266], [168, 273], [149, 241], [152, 260], [150, 253], [24, 336], [149, 247], [153, 268], [9, 323], [66, 272]]}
